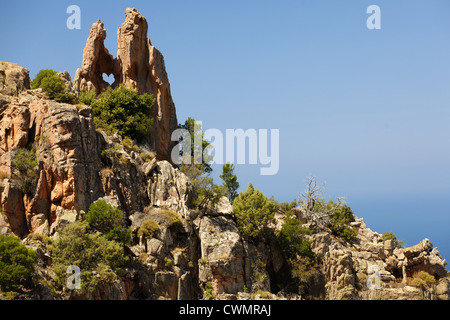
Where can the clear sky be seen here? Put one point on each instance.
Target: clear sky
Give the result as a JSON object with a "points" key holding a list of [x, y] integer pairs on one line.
{"points": [[366, 111]]}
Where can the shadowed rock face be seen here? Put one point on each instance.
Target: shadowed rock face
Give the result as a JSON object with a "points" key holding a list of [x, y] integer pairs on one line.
{"points": [[138, 66]]}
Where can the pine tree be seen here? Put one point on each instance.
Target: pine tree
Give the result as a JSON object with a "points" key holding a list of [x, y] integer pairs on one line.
{"points": [[230, 180]]}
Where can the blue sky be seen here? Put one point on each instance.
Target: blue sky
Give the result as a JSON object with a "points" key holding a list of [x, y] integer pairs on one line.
{"points": [[365, 111]]}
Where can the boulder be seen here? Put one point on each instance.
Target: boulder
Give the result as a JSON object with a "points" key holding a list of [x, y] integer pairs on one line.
{"points": [[13, 79], [424, 245]]}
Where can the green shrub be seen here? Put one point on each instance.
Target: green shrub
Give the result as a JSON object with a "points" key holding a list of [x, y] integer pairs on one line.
{"points": [[124, 111], [44, 73], [87, 97], [340, 224], [230, 181], [263, 294], [16, 263], [303, 276], [25, 168], [148, 229], [174, 220], [193, 170], [423, 280], [299, 256], [53, 86], [253, 212], [129, 145], [208, 193], [291, 239], [109, 221], [147, 157], [208, 292], [391, 236], [97, 257]]}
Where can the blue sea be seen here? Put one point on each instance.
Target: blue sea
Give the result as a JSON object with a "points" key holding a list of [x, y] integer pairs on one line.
{"points": [[411, 219]]}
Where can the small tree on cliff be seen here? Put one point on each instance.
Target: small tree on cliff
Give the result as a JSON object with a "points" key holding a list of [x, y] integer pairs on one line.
{"points": [[253, 212], [230, 180], [194, 170], [208, 193]]}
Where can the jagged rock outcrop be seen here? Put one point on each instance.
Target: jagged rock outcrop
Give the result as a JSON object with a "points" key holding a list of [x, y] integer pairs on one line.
{"points": [[139, 66], [347, 267], [13, 79], [96, 62]]}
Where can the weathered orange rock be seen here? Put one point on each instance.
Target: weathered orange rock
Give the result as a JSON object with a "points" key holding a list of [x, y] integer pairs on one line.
{"points": [[13, 78], [68, 151], [139, 66], [96, 61]]}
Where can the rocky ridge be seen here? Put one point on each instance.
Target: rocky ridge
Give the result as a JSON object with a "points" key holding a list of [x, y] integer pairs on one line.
{"points": [[202, 256]]}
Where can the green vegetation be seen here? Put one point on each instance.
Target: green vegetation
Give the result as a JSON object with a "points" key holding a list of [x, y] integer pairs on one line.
{"points": [[174, 218], [202, 261], [129, 145], [16, 263], [253, 212], [423, 280], [391, 236], [208, 292], [147, 157], [208, 193], [291, 239], [53, 86], [87, 97], [298, 254], [97, 257], [196, 135], [341, 224], [109, 221], [44, 73], [230, 181], [148, 229], [263, 294], [168, 263], [124, 111], [25, 168]]}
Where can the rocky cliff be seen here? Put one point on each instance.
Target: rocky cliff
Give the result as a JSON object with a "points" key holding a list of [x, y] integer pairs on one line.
{"points": [[194, 254]]}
